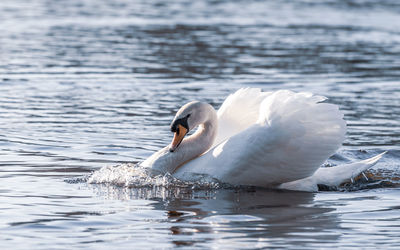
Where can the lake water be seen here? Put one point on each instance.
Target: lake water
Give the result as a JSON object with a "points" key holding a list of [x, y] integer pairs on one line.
{"points": [[89, 84]]}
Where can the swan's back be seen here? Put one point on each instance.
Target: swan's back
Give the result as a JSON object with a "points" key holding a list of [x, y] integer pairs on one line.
{"points": [[293, 135]]}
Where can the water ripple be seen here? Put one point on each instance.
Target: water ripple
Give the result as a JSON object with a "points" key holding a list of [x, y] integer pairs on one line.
{"points": [[90, 84]]}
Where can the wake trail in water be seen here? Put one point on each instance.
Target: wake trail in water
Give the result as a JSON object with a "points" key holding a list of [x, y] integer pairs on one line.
{"points": [[133, 176]]}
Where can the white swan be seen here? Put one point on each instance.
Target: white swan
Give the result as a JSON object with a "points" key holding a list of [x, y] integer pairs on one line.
{"points": [[267, 139]]}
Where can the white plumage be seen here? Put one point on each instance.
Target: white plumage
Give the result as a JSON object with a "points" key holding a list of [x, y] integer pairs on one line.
{"points": [[258, 138]]}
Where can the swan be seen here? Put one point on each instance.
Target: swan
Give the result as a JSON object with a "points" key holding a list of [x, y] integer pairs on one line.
{"points": [[274, 139]]}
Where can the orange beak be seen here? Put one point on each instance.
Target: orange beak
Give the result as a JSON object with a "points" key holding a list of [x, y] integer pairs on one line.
{"points": [[178, 137]]}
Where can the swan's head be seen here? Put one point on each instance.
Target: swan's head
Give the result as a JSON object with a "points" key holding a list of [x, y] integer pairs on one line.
{"points": [[187, 118]]}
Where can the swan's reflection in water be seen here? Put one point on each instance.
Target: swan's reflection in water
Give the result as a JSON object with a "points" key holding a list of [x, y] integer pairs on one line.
{"points": [[247, 218]]}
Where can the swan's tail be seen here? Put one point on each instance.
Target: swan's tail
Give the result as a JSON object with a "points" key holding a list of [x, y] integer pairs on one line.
{"points": [[332, 176]]}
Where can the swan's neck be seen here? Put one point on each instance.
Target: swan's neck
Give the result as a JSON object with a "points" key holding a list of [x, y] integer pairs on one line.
{"points": [[200, 141], [191, 147]]}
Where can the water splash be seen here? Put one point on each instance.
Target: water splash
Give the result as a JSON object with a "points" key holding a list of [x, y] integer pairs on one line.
{"points": [[371, 179], [134, 176]]}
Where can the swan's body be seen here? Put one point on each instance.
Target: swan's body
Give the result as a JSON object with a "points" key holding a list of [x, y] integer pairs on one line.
{"points": [[268, 139]]}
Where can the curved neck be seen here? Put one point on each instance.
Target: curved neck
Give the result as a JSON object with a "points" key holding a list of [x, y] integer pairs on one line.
{"points": [[191, 147], [200, 142]]}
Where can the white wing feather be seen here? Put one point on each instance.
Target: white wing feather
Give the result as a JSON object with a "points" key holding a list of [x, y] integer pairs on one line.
{"points": [[239, 111], [293, 135]]}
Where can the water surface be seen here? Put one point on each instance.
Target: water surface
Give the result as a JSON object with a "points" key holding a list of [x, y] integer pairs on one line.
{"points": [[88, 84]]}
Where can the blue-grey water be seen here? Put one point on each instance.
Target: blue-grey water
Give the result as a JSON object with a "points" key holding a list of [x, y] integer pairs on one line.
{"points": [[89, 84]]}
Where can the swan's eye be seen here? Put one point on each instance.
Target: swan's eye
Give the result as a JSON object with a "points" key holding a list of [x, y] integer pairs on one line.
{"points": [[181, 121], [177, 130]]}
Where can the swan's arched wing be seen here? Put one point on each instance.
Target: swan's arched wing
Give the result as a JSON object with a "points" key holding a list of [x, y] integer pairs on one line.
{"points": [[293, 136], [239, 111]]}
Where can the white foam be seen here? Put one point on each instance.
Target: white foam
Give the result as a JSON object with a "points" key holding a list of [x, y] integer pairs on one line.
{"points": [[133, 175]]}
